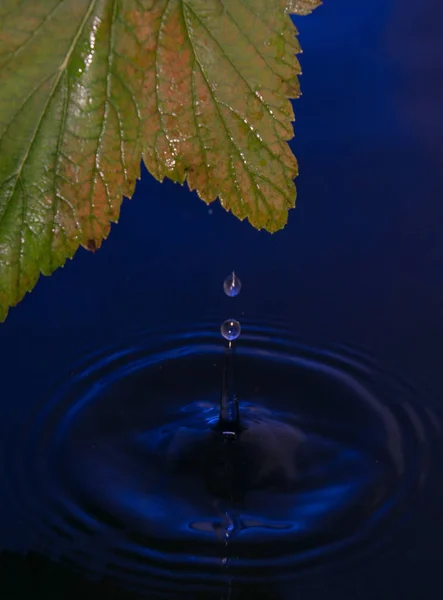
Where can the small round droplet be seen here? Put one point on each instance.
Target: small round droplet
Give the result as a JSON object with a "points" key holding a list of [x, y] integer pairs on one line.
{"points": [[230, 329], [232, 285]]}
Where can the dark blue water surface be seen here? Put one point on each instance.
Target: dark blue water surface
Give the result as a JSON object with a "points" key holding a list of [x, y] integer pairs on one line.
{"points": [[111, 368]]}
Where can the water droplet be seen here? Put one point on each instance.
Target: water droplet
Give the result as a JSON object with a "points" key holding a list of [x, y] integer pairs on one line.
{"points": [[232, 285], [230, 329]]}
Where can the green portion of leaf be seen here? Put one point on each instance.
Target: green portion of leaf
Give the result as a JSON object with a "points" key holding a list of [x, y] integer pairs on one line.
{"points": [[198, 88], [70, 134]]}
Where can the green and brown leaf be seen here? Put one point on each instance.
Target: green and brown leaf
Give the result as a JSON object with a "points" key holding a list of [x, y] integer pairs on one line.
{"points": [[197, 88]]}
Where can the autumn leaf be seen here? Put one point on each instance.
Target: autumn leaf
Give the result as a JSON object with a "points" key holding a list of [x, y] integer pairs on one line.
{"points": [[197, 88]]}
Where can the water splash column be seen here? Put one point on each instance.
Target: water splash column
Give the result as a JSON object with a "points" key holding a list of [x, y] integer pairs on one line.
{"points": [[229, 423]]}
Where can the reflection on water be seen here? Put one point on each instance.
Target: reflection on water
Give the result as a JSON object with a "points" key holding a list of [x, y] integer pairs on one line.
{"points": [[123, 472]]}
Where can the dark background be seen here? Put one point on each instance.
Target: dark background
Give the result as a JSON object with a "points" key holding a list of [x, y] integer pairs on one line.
{"points": [[360, 262]]}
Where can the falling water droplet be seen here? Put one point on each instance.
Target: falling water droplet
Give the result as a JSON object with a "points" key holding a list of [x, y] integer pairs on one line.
{"points": [[232, 285], [230, 329]]}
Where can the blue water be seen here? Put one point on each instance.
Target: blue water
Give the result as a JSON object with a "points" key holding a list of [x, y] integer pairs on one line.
{"points": [[357, 269], [121, 469]]}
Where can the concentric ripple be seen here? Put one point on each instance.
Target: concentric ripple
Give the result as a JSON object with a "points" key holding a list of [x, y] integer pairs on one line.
{"points": [[120, 472]]}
